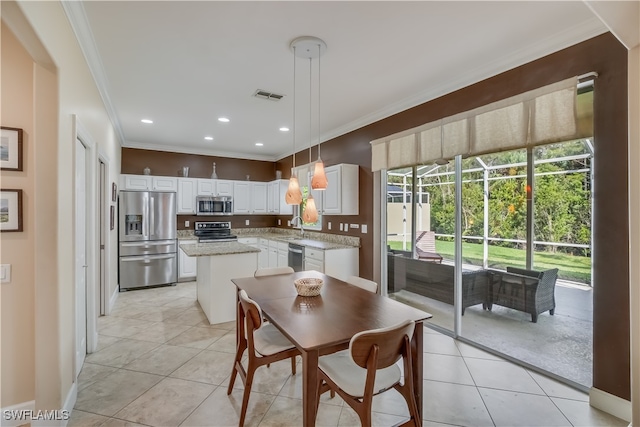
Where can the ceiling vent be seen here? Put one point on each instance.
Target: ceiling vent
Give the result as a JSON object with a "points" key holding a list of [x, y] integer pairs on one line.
{"points": [[268, 95]]}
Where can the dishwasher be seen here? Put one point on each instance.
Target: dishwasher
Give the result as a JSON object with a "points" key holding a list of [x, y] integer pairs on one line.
{"points": [[296, 257]]}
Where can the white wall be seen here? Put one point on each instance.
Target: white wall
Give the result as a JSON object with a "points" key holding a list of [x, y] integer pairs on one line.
{"points": [[75, 94]]}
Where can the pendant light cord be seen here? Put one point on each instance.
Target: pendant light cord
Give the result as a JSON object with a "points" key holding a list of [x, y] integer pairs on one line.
{"points": [[310, 124], [319, 55], [294, 110]]}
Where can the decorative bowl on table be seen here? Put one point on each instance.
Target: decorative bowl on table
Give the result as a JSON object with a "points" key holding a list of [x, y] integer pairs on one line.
{"points": [[308, 286]]}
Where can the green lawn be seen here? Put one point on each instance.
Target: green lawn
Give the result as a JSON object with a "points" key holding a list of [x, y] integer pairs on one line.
{"points": [[575, 268]]}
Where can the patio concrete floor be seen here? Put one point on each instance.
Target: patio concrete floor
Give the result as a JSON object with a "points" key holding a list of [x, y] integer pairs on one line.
{"points": [[559, 344]]}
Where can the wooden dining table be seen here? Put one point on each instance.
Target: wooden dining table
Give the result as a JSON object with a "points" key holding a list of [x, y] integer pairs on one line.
{"points": [[325, 323]]}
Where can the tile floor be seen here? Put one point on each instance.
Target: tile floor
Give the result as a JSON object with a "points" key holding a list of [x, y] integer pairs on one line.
{"points": [[159, 363]]}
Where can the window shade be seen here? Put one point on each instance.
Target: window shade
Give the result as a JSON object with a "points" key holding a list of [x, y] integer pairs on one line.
{"points": [[540, 116]]}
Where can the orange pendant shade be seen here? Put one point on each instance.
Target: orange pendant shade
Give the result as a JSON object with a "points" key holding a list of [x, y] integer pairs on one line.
{"points": [[310, 214], [294, 195], [319, 180]]}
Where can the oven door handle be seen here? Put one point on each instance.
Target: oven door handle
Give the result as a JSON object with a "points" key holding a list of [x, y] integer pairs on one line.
{"points": [[147, 258]]}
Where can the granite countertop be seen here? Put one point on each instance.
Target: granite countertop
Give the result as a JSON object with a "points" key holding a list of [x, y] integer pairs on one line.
{"points": [[311, 239], [217, 248]]}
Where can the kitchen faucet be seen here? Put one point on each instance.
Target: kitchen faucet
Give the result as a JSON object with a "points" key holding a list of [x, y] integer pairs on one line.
{"points": [[299, 223]]}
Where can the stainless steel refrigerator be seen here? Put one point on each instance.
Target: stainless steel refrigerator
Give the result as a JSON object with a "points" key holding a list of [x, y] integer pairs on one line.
{"points": [[148, 245]]}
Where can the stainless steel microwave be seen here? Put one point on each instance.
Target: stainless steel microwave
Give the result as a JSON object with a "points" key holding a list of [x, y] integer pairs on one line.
{"points": [[214, 205]]}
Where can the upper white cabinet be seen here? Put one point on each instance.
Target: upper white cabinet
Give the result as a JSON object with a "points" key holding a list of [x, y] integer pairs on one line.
{"points": [[186, 195], [275, 194], [148, 183], [241, 197], [135, 182], [206, 187], [164, 183], [224, 187], [258, 198], [341, 195]]}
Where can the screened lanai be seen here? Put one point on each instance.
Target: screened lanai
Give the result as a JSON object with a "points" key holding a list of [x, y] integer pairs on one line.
{"points": [[488, 226]]}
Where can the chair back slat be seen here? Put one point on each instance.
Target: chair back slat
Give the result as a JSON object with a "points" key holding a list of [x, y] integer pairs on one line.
{"points": [[367, 285], [251, 310], [272, 271], [389, 341]]}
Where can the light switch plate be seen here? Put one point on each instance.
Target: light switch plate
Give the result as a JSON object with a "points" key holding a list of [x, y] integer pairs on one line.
{"points": [[5, 273], [340, 226], [364, 228], [279, 222], [329, 225], [355, 226], [186, 224], [288, 223], [246, 222]]}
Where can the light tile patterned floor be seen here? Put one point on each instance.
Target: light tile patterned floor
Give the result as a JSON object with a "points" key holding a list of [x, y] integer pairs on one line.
{"points": [[159, 363]]}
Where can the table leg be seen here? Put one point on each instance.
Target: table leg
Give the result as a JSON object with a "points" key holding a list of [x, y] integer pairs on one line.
{"points": [[309, 387], [416, 357]]}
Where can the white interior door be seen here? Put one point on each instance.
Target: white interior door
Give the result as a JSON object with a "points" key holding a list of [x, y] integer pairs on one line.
{"points": [[81, 255]]}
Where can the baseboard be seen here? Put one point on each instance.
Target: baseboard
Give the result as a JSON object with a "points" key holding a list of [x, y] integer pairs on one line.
{"points": [[610, 404], [61, 416], [112, 300], [16, 415]]}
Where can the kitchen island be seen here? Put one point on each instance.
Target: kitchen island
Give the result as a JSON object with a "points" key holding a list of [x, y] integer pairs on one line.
{"points": [[218, 263]]}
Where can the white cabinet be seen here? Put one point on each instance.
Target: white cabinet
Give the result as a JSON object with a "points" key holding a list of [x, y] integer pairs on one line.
{"points": [[339, 263], [283, 254], [164, 183], [251, 241], [342, 194], [258, 198], [206, 187], [135, 182], [276, 193], [224, 187], [186, 196], [241, 197], [313, 259], [263, 256], [273, 254], [148, 183], [187, 266]]}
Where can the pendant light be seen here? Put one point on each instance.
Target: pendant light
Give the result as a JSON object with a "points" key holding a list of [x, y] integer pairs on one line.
{"points": [[293, 196], [319, 180], [310, 212]]}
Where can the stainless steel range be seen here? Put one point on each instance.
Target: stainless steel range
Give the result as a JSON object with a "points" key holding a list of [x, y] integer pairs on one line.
{"points": [[208, 232]]}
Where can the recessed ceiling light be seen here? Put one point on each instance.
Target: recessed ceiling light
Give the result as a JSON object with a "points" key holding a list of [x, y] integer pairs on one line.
{"points": [[284, 129], [147, 121], [259, 144], [208, 138], [223, 119]]}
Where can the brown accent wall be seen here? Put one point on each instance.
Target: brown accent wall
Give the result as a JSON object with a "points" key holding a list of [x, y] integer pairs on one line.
{"points": [[237, 221], [163, 163], [602, 54]]}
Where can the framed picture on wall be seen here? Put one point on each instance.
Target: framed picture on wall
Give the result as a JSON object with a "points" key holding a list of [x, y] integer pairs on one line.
{"points": [[114, 191], [10, 210], [11, 149]]}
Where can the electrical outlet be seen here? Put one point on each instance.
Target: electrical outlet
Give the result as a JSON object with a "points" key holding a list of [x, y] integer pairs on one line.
{"points": [[329, 225], [355, 226], [364, 228], [186, 224], [246, 222], [5, 273], [288, 223], [340, 226], [279, 222]]}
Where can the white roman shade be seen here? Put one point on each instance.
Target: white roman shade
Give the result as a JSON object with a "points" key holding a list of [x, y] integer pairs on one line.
{"points": [[540, 116]]}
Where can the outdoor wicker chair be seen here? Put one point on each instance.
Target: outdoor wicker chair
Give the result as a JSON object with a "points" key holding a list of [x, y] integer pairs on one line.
{"points": [[529, 291]]}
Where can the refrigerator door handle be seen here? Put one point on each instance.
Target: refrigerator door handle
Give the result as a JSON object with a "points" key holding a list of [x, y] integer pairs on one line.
{"points": [[147, 258], [145, 216], [152, 215], [148, 244]]}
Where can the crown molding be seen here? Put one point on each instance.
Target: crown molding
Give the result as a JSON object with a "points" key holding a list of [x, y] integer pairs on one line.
{"points": [[80, 26]]}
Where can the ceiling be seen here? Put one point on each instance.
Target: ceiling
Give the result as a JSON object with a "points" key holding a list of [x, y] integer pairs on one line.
{"points": [[184, 64]]}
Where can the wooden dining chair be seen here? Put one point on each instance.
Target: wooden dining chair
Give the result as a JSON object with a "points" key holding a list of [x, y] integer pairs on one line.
{"points": [[261, 272], [265, 344], [369, 368], [367, 285]]}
